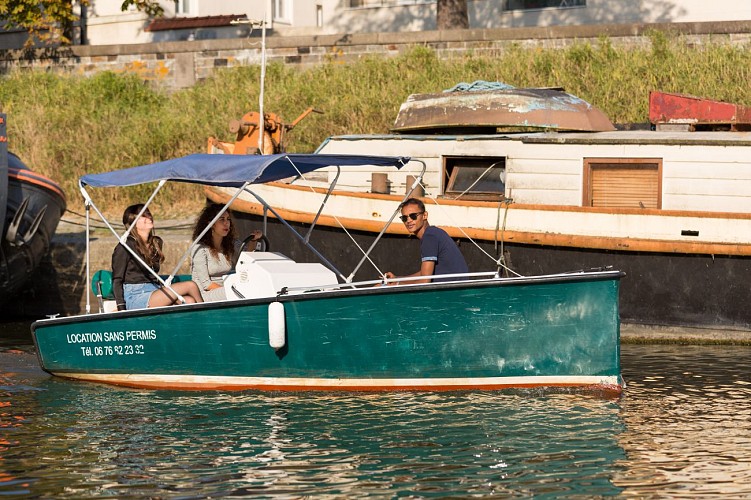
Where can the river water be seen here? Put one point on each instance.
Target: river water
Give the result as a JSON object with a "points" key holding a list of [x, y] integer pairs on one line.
{"points": [[681, 429]]}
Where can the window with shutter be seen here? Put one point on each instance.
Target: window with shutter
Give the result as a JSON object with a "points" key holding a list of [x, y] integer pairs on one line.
{"points": [[623, 182]]}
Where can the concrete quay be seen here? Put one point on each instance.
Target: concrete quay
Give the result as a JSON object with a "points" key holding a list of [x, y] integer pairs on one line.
{"points": [[60, 284]]}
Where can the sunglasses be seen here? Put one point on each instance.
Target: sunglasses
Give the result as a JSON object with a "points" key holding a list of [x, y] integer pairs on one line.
{"points": [[412, 216]]}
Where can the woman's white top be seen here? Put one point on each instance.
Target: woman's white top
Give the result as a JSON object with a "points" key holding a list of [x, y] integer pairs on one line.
{"points": [[206, 268]]}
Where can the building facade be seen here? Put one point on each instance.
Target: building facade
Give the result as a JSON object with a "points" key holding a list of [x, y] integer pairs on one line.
{"points": [[103, 22]]}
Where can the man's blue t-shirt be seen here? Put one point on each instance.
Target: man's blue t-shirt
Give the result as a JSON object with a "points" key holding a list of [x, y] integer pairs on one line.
{"points": [[437, 246]]}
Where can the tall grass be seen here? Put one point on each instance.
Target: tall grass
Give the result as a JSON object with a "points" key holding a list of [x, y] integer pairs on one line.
{"points": [[65, 126]]}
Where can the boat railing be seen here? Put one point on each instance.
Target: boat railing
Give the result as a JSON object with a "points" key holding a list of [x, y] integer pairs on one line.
{"points": [[444, 279], [388, 282]]}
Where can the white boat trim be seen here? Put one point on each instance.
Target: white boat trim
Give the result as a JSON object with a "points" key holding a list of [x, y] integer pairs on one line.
{"points": [[201, 382]]}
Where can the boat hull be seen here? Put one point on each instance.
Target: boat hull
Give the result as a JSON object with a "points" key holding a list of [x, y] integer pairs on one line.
{"points": [[37, 204], [491, 109], [559, 331]]}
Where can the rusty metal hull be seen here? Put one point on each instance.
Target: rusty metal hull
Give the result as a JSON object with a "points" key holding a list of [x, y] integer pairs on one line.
{"points": [[695, 112], [527, 108]]}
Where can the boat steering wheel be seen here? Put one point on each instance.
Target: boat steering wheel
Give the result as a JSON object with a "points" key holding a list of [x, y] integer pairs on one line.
{"points": [[262, 244]]}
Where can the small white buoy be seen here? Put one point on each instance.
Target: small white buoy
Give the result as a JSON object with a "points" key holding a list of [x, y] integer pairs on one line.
{"points": [[277, 327]]}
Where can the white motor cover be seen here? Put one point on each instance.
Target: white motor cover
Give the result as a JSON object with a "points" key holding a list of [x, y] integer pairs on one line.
{"points": [[264, 274]]}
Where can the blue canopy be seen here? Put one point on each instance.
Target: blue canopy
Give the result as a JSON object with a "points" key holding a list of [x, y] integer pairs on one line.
{"points": [[234, 170]]}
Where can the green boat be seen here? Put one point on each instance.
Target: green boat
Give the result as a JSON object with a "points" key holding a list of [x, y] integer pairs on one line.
{"points": [[290, 325]]}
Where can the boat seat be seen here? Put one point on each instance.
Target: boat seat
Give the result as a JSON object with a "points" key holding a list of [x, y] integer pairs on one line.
{"points": [[101, 286]]}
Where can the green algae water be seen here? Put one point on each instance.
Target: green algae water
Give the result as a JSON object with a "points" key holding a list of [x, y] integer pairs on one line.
{"points": [[681, 428]]}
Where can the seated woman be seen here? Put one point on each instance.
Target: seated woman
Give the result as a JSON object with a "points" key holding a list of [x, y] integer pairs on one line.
{"points": [[214, 255], [133, 285]]}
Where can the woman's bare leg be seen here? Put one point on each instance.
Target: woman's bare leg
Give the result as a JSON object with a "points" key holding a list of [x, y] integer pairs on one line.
{"points": [[164, 297]]}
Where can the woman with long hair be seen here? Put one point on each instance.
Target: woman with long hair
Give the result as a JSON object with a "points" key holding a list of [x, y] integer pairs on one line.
{"points": [[214, 255], [134, 286]]}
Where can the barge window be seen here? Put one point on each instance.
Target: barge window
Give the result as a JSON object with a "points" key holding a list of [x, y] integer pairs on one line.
{"points": [[477, 178], [623, 182]]}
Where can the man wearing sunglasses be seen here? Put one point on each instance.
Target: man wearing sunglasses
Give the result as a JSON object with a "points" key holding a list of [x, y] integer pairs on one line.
{"points": [[439, 253]]}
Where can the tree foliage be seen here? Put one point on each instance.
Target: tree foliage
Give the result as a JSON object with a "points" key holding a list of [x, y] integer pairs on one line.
{"points": [[50, 22], [150, 7]]}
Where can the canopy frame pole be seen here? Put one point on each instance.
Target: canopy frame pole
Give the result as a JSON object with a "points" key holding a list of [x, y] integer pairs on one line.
{"points": [[323, 203], [205, 230], [123, 239], [417, 182], [318, 254], [332, 185], [342, 226], [87, 205]]}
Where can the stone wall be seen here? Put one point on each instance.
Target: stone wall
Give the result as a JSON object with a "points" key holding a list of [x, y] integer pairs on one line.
{"points": [[175, 65]]}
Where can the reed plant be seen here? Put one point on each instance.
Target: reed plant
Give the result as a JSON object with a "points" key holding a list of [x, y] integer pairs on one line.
{"points": [[65, 126]]}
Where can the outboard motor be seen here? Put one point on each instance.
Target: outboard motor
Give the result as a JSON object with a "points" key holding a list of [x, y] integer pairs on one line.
{"points": [[266, 274]]}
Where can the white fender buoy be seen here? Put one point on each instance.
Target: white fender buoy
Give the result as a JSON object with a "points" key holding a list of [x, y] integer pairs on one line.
{"points": [[277, 327]]}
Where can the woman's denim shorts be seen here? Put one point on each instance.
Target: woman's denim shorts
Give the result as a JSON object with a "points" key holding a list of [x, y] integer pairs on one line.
{"points": [[137, 294]]}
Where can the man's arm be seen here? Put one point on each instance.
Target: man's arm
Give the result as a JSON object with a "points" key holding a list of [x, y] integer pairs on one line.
{"points": [[426, 269]]}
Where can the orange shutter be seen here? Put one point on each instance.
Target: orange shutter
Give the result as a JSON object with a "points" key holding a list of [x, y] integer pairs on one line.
{"points": [[623, 184]]}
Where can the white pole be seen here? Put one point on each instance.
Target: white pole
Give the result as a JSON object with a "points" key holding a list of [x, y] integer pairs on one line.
{"points": [[88, 255], [261, 119]]}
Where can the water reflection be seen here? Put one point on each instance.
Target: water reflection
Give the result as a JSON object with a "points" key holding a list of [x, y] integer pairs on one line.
{"points": [[681, 428], [103, 440], [689, 421]]}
